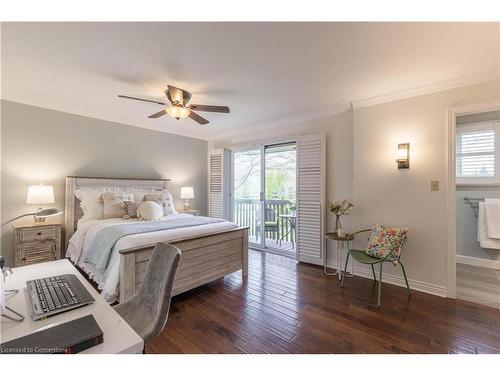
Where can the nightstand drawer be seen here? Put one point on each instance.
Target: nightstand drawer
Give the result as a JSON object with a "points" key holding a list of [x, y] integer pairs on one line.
{"points": [[37, 252], [35, 234]]}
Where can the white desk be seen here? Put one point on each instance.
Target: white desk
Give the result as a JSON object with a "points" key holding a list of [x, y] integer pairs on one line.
{"points": [[119, 337]]}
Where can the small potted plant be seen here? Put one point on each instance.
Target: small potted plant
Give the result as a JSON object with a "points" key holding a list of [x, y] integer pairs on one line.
{"points": [[293, 209], [340, 208]]}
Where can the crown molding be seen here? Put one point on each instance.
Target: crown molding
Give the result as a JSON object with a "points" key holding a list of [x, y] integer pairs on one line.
{"points": [[486, 76], [288, 122]]}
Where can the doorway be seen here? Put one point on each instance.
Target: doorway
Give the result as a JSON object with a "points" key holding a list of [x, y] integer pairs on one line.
{"points": [[477, 154], [264, 195], [472, 177]]}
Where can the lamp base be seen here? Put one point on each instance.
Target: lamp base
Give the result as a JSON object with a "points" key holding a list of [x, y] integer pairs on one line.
{"points": [[38, 220], [186, 205], [17, 316]]}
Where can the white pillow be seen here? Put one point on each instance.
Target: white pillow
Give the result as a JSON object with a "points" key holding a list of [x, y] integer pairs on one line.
{"points": [[91, 204], [164, 198], [150, 210], [140, 193], [172, 205], [114, 203]]}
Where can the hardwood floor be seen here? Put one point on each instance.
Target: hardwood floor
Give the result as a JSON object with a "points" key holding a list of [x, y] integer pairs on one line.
{"points": [[283, 307], [478, 284], [286, 248]]}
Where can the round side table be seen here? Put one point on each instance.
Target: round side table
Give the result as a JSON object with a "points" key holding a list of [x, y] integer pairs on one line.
{"points": [[347, 240]]}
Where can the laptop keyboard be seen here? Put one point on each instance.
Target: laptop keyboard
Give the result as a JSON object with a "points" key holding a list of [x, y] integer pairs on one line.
{"points": [[55, 293]]}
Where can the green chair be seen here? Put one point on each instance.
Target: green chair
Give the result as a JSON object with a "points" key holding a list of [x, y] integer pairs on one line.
{"points": [[271, 224], [392, 257]]}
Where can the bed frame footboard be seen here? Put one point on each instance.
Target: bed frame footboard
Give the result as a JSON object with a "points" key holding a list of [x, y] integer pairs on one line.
{"points": [[204, 259]]}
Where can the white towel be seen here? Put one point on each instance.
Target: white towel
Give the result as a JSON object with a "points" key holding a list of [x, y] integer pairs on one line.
{"points": [[482, 233], [492, 211]]}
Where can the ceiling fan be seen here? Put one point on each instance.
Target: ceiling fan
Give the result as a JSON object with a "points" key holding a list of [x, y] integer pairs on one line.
{"points": [[180, 109]]}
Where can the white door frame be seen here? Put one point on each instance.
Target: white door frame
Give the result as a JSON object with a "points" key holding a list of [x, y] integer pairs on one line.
{"points": [[261, 145], [259, 245], [451, 220]]}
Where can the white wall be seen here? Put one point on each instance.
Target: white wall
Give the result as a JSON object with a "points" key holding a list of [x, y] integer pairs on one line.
{"points": [[361, 152], [467, 223], [44, 146], [338, 129], [384, 194]]}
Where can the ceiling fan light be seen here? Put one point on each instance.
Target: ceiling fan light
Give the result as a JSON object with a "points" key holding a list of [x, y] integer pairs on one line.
{"points": [[177, 111]]}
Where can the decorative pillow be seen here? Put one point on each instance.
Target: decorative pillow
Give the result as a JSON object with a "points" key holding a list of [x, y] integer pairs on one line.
{"points": [[131, 208], [164, 199], [114, 203], [150, 210], [91, 204], [139, 193], [382, 239]]}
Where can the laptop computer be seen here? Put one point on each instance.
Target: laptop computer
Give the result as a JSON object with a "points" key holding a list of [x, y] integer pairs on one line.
{"points": [[56, 294]]}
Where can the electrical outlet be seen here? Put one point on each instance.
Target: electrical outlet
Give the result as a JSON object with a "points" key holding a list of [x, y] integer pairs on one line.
{"points": [[434, 185]]}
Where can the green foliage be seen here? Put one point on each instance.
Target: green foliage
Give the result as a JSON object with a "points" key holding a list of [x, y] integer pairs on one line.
{"points": [[276, 185]]}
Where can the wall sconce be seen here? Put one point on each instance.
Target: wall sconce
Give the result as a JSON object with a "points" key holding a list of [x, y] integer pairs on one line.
{"points": [[403, 156]]}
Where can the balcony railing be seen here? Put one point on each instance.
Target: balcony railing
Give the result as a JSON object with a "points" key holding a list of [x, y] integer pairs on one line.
{"points": [[246, 213]]}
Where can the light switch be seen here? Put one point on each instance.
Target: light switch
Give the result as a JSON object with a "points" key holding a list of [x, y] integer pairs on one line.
{"points": [[434, 185]]}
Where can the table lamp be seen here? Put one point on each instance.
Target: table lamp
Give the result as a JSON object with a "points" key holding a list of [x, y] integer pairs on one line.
{"points": [[40, 195], [187, 193]]}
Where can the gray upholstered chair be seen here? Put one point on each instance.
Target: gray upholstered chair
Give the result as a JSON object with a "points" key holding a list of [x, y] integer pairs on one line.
{"points": [[147, 311]]}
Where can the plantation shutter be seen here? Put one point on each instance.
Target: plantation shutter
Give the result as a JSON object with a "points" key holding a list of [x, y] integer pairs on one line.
{"points": [[311, 157], [477, 152], [218, 183]]}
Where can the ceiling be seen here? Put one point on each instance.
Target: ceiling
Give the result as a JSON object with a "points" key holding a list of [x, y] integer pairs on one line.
{"points": [[267, 73]]}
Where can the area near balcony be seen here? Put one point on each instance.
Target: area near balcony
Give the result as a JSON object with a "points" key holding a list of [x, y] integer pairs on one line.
{"points": [[278, 214], [265, 196]]}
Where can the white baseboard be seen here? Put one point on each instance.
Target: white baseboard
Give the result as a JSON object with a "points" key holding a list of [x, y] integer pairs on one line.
{"points": [[421, 286], [478, 262]]}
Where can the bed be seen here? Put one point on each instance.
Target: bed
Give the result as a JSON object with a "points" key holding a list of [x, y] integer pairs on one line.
{"points": [[209, 251]]}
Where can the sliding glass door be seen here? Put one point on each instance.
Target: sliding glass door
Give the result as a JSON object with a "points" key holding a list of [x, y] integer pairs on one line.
{"points": [[264, 195], [247, 196], [280, 197]]}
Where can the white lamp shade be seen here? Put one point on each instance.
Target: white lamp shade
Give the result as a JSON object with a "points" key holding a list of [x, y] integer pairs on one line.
{"points": [[177, 111], [40, 194], [402, 154], [187, 192]]}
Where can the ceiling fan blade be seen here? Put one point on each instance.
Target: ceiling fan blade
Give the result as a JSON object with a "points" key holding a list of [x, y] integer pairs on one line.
{"points": [[196, 117], [142, 100], [158, 114], [177, 95], [209, 108]]}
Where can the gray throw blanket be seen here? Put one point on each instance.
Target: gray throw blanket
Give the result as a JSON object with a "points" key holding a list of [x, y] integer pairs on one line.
{"points": [[102, 246]]}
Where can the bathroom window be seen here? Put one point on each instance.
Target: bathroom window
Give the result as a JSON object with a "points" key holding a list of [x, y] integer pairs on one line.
{"points": [[477, 153]]}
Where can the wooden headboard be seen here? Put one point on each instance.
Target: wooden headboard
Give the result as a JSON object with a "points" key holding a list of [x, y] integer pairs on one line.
{"points": [[73, 212]]}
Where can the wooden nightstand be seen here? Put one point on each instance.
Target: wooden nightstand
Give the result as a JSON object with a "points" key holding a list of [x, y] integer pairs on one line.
{"points": [[35, 243], [192, 212]]}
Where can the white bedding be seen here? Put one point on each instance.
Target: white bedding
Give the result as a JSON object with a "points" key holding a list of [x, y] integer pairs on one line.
{"points": [[108, 281]]}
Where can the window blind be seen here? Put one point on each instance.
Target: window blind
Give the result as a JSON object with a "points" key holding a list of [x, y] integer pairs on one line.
{"points": [[477, 152]]}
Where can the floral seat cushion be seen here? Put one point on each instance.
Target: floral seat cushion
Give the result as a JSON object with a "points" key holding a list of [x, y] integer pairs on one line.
{"points": [[382, 239]]}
